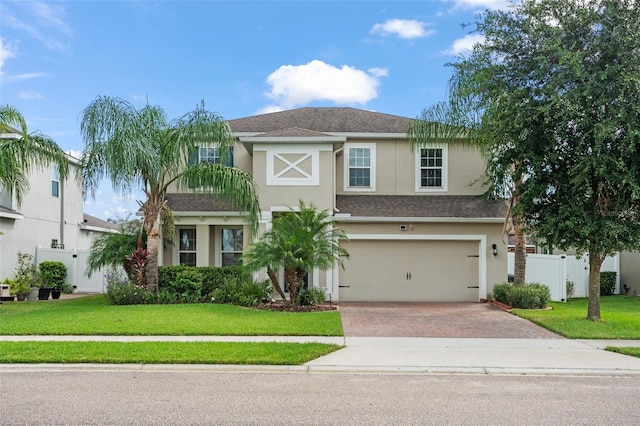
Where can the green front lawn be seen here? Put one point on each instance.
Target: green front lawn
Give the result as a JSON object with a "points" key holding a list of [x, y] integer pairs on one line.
{"points": [[620, 318], [247, 353], [92, 315]]}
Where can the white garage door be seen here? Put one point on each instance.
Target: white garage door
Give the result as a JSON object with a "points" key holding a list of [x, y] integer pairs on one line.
{"points": [[426, 271]]}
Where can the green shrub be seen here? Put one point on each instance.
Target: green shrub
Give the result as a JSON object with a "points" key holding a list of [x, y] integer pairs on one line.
{"points": [[17, 287], [214, 276], [26, 272], [311, 296], [607, 283], [527, 296], [53, 273], [242, 292], [128, 294]]}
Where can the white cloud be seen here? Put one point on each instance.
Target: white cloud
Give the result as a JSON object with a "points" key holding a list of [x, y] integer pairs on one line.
{"points": [[42, 21], [30, 95], [465, 44], [268, 109], [480, 4], [295, 85], [26, 76], [6, 51], [403, 28]]}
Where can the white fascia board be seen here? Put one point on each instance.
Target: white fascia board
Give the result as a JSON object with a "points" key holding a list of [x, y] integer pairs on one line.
{"points": [[292, 139], [207, 214], [345, 218], [98, 229], [9, 215], [10, 136], [364, 135]]}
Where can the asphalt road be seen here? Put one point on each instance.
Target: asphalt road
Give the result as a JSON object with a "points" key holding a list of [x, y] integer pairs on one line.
{"points": [[247, 398]]}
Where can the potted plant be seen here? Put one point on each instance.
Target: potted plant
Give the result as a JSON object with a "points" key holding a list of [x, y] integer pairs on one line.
{"points": [[27, 274], [20, 289], [53, 275]]}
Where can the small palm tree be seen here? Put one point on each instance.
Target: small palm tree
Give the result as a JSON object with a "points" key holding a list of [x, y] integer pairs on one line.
{"points": [[20, 156], [298, 242], [142, 149]]}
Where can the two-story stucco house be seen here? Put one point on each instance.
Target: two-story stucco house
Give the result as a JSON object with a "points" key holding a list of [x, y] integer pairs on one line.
{"points": [[50, 225], [417, 228]]}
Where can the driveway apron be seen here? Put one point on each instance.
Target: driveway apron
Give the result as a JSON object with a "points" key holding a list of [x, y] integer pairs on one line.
{"points": [[443, 320]]}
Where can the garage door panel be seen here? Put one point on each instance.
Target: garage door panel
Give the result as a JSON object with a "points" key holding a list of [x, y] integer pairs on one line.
{"points": [[410, 271]]}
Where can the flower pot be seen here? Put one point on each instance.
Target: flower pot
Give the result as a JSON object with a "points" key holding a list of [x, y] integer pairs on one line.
{"points": [[55, 293], [22, 297], [43, 293], [33, 294]]}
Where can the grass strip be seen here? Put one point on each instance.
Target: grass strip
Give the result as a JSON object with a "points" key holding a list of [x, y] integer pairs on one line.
{"points": [[92, 315], [620, 318], [242, 353], [632, 351]]}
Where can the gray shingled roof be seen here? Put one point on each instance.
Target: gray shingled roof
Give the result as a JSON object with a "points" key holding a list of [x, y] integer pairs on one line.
{"points": [[292, 132], [196, 203], [322, 119], [454, 206], [98, 223], [442, 206]]}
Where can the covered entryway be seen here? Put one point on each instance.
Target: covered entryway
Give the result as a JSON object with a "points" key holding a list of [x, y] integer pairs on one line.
{"points": [[411, 270]]}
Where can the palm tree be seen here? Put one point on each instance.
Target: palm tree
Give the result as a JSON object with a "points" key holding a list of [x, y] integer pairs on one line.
{"points": [[298, 242], [20, 156], [142, 149]]}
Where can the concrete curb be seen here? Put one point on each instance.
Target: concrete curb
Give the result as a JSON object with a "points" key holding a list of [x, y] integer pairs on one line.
{"points": [[315, 369]]}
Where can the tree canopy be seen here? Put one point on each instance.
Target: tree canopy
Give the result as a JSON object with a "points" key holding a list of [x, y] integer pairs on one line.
{"points": [[19, 156], [558, 82]]}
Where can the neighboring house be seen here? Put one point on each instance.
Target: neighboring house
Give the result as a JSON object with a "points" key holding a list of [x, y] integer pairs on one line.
{"points": [[49, 225], [418, 229]]}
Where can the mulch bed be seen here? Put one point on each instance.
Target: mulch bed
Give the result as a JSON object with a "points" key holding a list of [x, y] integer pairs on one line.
{"points": [[278, 306]]}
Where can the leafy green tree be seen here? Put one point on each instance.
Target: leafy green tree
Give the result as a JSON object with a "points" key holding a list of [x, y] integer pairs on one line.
{"points": [[558, 82], [142, 149], [19, 157], [299, 241]]}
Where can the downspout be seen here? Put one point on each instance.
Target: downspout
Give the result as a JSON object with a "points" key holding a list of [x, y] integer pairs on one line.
{"points": [[62, 221], [335, 161]]}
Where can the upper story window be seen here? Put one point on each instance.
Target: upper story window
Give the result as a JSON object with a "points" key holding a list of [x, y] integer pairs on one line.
{"points": [[431, 168], [360, 171], [210, 154], [55, 181]]}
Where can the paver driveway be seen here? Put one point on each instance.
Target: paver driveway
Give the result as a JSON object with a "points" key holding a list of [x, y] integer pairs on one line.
{"points": [[472, 320]]}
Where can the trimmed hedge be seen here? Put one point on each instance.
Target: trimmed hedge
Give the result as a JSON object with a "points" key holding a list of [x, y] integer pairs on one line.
{"points": [[607, 283], [527, 296], [213, 277]]}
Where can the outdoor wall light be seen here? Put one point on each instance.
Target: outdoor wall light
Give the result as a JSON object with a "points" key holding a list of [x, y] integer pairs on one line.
{"points": [[495, 249]]}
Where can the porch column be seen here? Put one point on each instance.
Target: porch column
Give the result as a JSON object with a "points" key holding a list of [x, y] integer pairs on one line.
{"points": [[202, 245]]}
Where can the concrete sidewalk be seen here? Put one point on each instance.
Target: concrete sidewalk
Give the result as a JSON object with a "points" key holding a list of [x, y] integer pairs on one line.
{"points": [[404, 355]]}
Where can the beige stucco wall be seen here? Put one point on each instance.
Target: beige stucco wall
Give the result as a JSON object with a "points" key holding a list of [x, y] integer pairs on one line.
{"points": [[279, 196], [396, 170]]}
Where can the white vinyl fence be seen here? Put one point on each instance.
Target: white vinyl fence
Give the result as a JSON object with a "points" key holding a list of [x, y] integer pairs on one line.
{"points": [[76, 263], [555, 270]]}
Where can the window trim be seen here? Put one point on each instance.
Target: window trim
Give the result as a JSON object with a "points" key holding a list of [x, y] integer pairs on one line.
{"points": [[219, 242], [195, 244], [372, 167], [55, 181], [445, 167]]}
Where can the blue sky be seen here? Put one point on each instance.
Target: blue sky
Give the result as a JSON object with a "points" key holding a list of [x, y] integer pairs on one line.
{"points": [[242, 58]]}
